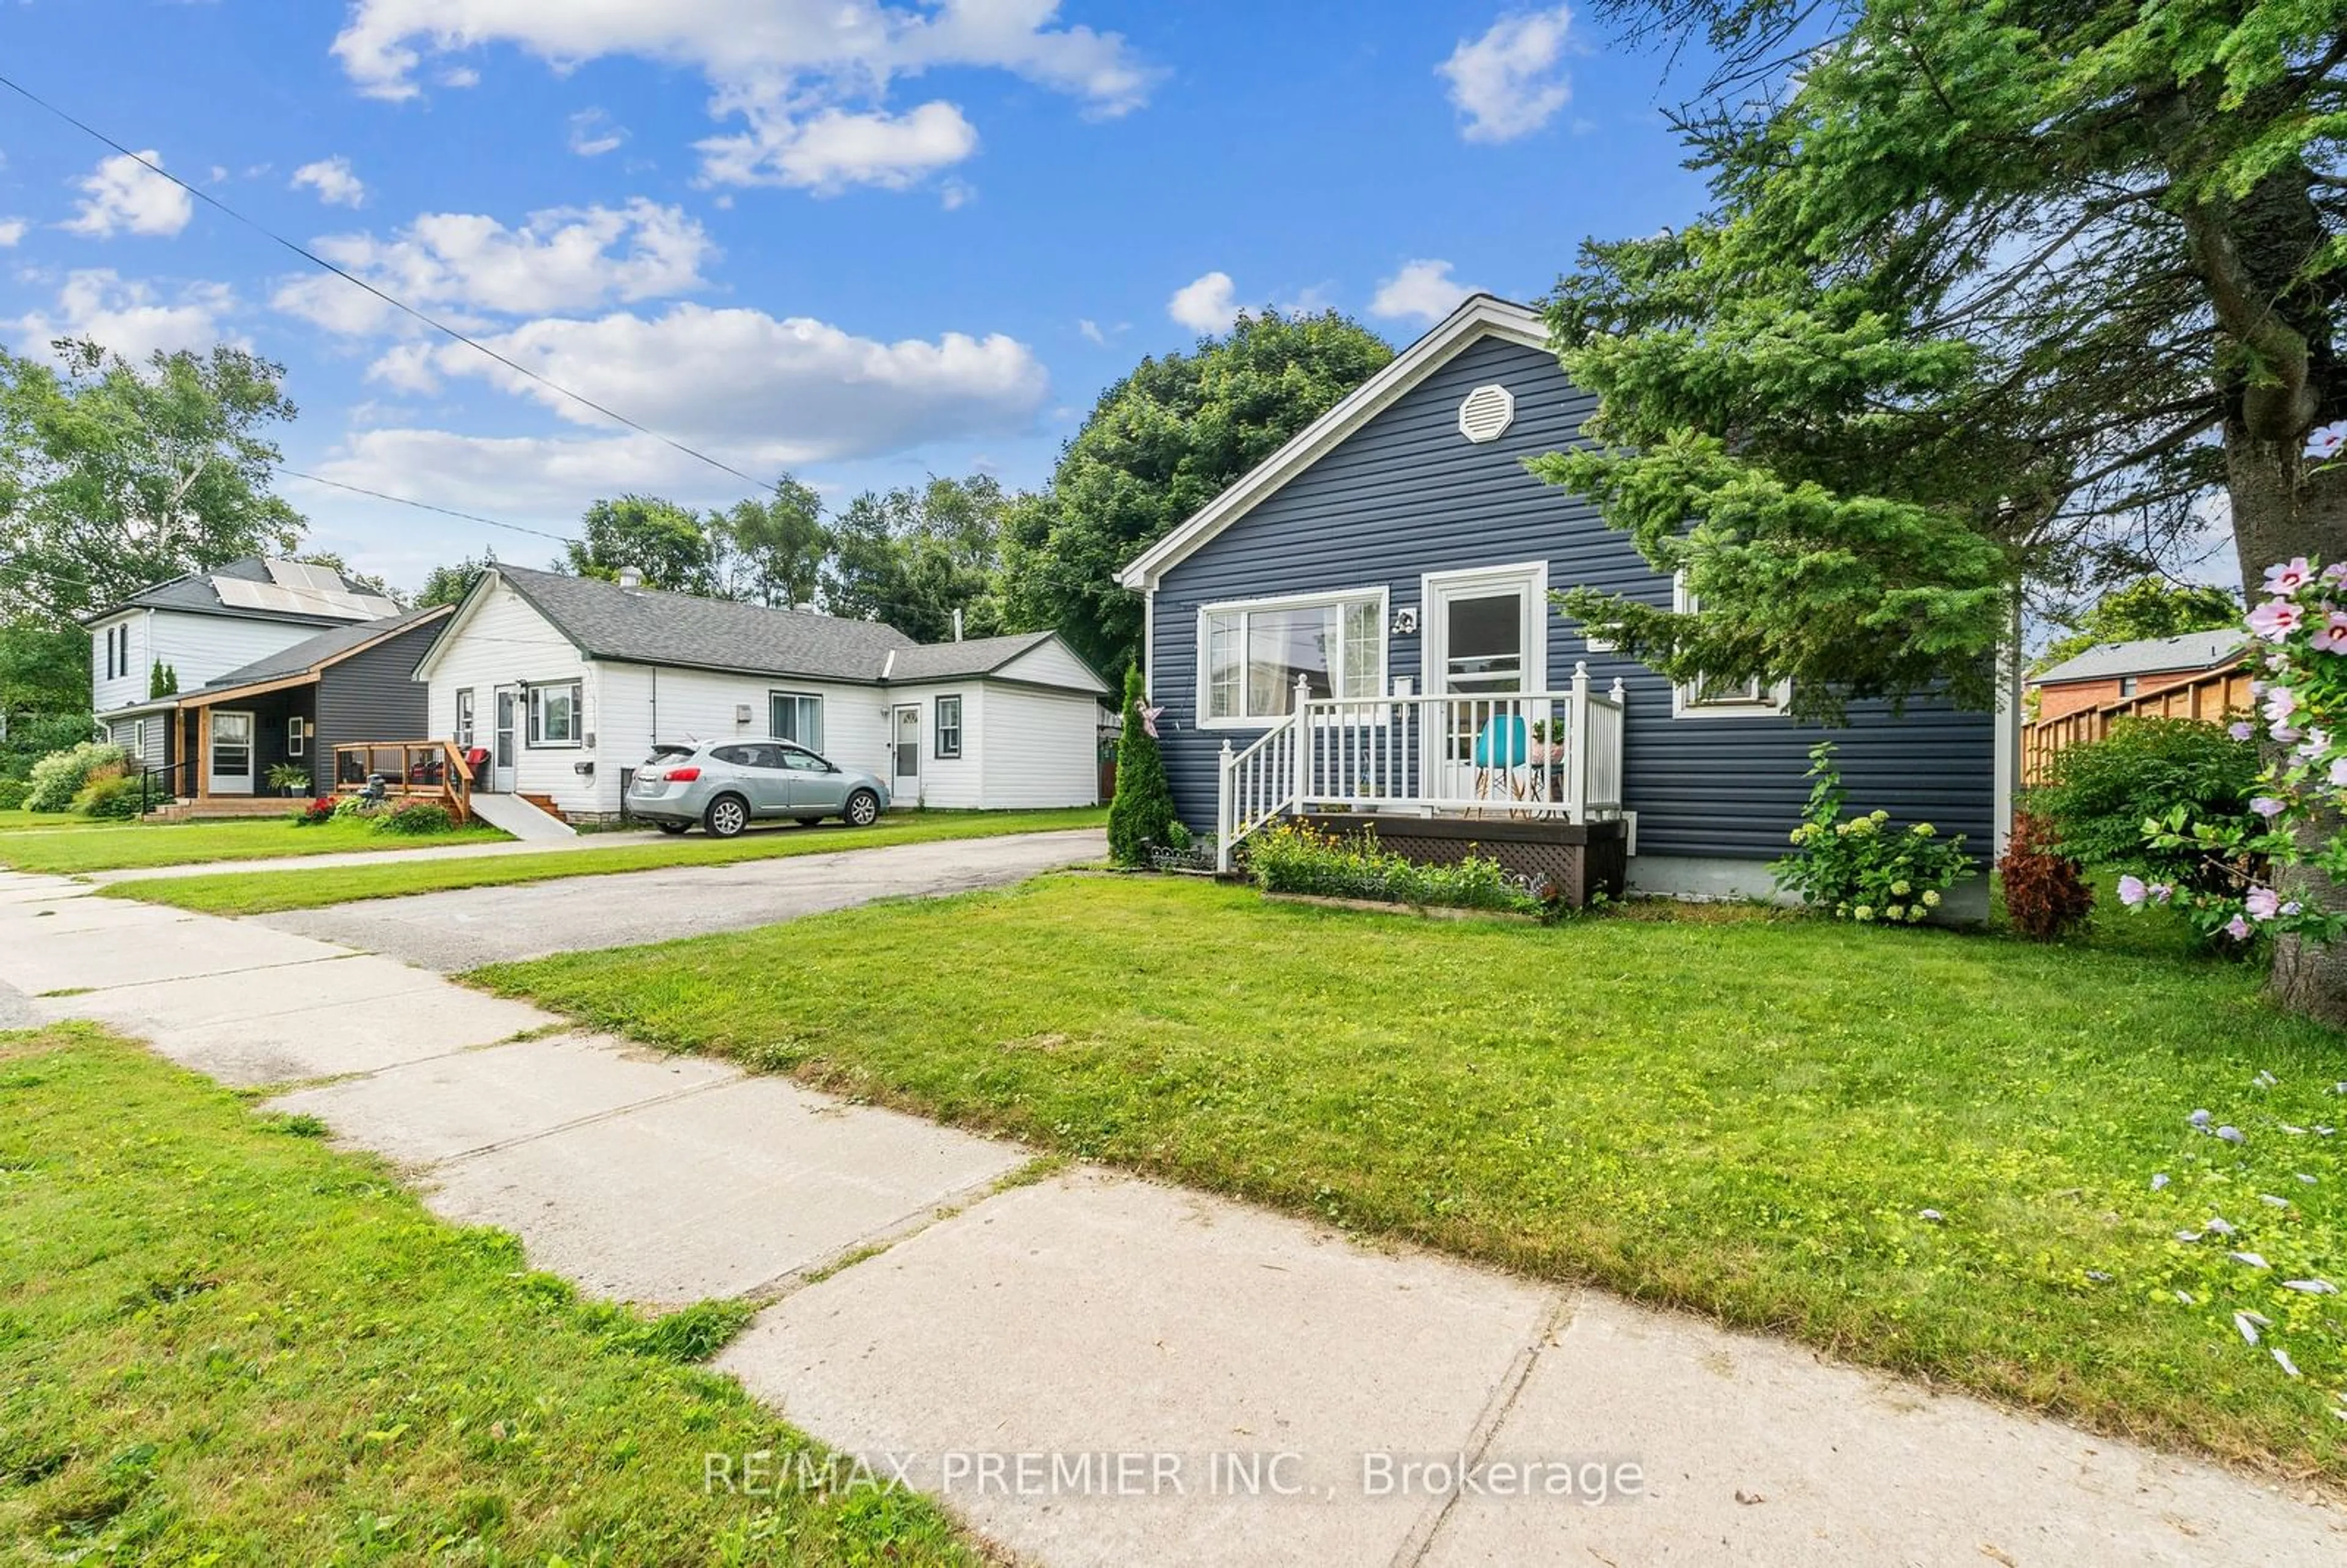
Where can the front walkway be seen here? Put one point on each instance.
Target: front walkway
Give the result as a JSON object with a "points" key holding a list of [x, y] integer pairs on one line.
{"points": [[1094, 1369]]}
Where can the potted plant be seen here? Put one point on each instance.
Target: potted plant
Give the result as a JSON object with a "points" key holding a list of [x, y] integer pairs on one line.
{"points": [[289, 778]]}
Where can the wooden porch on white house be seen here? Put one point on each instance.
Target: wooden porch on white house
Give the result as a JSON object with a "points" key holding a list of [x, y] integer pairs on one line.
{"points": [[1528, 756]]}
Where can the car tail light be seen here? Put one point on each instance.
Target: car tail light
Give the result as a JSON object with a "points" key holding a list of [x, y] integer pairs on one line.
{"points": [[682, 775]]}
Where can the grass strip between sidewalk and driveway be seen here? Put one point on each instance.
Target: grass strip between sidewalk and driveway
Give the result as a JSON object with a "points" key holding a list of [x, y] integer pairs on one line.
{"points": [[222, 1342], [1923, 1151], [129, 846], [267, 892]]}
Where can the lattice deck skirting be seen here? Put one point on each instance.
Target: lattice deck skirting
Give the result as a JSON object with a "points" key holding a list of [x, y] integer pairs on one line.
{"points": [[1577, 859]]}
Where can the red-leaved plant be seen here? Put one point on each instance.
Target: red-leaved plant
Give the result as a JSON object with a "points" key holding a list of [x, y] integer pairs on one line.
{"points": [[2044, 896]]}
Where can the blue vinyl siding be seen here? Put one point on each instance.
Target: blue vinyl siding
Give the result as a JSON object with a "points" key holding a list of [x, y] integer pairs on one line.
{"points": [[1406, 493]]}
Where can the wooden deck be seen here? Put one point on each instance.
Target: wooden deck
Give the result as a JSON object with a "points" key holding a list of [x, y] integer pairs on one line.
{"points": [[432, 771]]}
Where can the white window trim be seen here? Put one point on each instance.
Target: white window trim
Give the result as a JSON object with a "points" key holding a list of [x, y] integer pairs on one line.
{"points": [[1431, 651], [938, 752], [465, 719], [821, 745], [1773, 703], [532, 738], [1381, 592], [297, 736]]}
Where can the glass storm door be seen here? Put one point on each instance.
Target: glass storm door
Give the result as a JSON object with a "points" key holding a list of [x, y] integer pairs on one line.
{"points": [[906, 786], [232, 764], [501, 755]]}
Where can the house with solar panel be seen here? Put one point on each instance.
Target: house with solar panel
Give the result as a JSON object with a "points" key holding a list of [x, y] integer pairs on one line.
{"points": [[215, 677]]}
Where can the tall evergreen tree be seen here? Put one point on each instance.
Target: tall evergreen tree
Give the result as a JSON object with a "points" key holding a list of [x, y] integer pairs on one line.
{"points": [[1142, 813]]}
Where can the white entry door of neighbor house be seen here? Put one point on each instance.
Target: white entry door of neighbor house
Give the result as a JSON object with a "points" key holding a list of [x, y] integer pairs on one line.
{"points": [[1482, 640], [232, 753], [508, 705], [905, 785]]}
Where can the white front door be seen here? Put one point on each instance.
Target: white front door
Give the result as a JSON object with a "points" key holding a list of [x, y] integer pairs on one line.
{"points": [[508, 701], [1485, 647], [905, 785], [232, 753]]}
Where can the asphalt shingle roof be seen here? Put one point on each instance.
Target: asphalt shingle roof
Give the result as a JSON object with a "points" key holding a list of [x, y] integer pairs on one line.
{"points": [[2149, 656], [645, 626], [317, 650], [973, 656]]}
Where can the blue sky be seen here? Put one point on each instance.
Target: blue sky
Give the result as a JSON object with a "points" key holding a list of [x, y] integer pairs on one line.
{"points": [[861, 241]]}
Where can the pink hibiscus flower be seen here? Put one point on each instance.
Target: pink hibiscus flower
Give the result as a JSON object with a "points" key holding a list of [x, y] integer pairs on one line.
{"points": [[2276, 618], [2262, 904], [2290, 576]]}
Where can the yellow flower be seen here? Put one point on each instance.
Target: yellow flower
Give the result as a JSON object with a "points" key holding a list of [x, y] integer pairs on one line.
{"points": [[1864, 912], [1914, 912], [1924, 830], [1900, 889], [1932, 896], [1896, 912]]}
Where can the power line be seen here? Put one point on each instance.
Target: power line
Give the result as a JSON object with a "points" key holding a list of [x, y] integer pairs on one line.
{"points": [[396, 303], [424, 505]]}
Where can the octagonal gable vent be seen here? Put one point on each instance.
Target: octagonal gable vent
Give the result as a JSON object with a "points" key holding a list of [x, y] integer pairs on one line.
{"points": [[1487, 413]]}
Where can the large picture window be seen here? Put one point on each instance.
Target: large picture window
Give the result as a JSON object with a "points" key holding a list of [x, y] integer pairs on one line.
{"points": [[553, 715], [1250, 655], [797, 716]]}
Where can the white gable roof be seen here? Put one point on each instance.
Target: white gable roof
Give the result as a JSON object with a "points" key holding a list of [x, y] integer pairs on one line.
{"points": [[1480, 317]]}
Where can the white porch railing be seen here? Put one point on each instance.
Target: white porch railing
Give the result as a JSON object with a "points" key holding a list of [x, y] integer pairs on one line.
{"points": [[1524, 755]]}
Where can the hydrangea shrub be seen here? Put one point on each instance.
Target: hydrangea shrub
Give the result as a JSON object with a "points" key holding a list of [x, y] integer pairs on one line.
{"points": [[1866, 868]]}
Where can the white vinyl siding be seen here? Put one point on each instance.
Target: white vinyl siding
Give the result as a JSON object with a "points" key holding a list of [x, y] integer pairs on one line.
{"points": [[796, 716], [1039, 748], [504, 642], [200, 648]]}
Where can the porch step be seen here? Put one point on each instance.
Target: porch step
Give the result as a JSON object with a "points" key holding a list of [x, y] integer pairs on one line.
{"points": [[545, 803], [522, 816]]}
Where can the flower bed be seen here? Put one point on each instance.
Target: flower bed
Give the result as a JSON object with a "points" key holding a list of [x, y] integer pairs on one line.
{"points": [[1291, 859]]}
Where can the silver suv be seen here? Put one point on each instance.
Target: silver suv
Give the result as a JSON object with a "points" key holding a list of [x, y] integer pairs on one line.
{"points": [[724, 785]]}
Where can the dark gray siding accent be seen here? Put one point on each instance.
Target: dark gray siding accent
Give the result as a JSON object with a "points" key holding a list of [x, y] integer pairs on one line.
{"points": [[1406, 493], [372, 696]]}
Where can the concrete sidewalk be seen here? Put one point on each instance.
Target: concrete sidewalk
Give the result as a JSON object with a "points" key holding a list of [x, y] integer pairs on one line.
{"points": [[1093, 1370]]}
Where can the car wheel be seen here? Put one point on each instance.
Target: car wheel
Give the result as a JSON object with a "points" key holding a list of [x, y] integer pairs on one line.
{"points": [[672, 827], [809, 821], [727, 815], [863, 809]]}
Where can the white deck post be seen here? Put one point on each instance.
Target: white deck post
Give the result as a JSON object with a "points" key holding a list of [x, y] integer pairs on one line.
{"points": [[1225, 812], [1303, 742], [1576, 769]]}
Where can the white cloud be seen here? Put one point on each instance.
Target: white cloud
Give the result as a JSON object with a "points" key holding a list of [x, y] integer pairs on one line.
{"points": [[518, 477], [1093, 333], [775, 392], [782, 66], [1424, 290], [832, 150], [1511, 81], [332, 179], [594, 133], [127, 316], [1209, 304], [566, 259], [12, 232], [122, 194]]}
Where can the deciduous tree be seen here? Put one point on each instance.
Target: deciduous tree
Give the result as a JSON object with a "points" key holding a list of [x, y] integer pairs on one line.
{"points": [[1158, 445]]}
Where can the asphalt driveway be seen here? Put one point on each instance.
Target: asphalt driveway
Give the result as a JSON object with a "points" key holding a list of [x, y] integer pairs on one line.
{"points": [[466, 928]]}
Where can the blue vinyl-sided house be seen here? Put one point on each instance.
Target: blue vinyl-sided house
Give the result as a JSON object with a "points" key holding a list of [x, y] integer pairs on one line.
{"points": [[1361, 626]]}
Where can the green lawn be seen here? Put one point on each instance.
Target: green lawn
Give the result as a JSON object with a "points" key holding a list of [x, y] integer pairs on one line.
{"points": [[19, 821], [1739, 1112], [261, 893], [119, 847], [222, 1343]]}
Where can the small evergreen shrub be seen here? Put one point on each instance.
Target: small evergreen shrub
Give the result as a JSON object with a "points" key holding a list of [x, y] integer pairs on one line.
{"points": [[2100, 795], [2044, 896], [11, 793], [419, 820], [1293, 858], [110, 796], [1864, 868], [1143, 812], [59, 776]]}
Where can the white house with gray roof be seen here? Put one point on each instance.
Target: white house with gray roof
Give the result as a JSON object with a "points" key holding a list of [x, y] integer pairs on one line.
{"points": [[566, 683]]}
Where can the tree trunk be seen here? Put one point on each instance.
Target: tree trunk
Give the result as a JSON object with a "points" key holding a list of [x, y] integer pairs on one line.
{"points": [[2284, 507]]}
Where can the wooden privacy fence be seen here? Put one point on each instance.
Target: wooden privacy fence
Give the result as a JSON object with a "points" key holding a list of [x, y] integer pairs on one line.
{"points": [[2212, 698]]}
